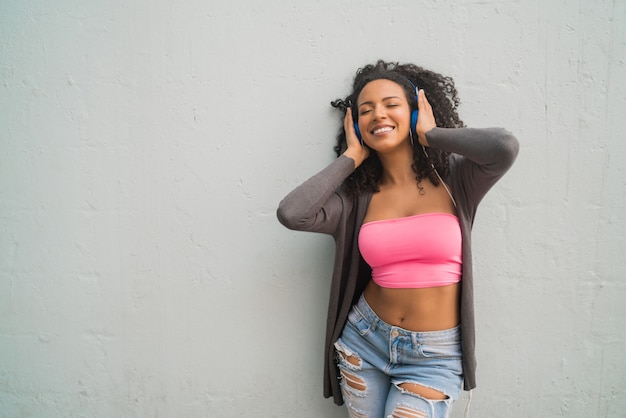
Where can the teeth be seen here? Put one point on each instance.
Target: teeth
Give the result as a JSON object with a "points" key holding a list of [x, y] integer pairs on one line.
{"points": [[382, 130]]}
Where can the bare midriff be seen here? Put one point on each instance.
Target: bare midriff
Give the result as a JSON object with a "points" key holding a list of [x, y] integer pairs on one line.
{"points": [[419, 310]]}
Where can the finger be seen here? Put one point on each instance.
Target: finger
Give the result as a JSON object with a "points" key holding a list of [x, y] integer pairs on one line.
{"points": [[348, 127], [348, 124], [427, 105], [348, 117], [421, 100]]}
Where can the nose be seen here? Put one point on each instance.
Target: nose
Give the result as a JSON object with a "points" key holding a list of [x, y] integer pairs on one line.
{"points": [[379, 112]]}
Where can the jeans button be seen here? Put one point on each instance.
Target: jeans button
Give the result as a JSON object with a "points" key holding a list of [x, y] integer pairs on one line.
{"points": [[394, 333]]}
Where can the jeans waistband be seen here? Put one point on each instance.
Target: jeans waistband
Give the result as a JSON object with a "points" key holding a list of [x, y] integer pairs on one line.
{"points": [[452, 334]]}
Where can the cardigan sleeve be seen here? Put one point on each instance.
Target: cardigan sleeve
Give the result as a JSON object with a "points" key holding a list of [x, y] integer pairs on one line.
{"points": [[483, 156], [315, 205]]}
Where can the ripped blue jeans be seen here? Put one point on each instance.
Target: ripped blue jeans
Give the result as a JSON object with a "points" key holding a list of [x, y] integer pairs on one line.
{"points": [[377, 361]]}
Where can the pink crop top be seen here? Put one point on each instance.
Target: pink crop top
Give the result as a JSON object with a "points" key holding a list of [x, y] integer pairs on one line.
{"points": [[413, 252]]}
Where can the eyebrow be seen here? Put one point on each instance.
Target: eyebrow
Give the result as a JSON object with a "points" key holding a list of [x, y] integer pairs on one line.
{"points": [[385, 98]]}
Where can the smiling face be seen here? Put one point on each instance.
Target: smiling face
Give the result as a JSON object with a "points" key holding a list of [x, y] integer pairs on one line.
{"points": [[384, 115]]}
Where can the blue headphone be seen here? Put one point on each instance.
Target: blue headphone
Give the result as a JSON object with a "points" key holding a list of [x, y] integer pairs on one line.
{"points": [[414, 114]]}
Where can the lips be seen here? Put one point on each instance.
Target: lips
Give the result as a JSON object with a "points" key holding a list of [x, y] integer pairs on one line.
{"points": [[380, 130]]}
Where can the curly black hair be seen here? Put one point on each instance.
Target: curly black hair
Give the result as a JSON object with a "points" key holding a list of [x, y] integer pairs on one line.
{"points": [[443, 97]]}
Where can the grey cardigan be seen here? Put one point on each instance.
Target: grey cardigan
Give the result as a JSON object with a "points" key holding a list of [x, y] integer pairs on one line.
{"points": [[479, 157]]}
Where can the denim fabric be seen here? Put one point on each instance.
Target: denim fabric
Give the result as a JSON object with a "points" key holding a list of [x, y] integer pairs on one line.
{"points": [[375, 358]]}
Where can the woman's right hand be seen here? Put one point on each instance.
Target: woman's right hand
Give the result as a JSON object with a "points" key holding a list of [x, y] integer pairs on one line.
{"points": [[355, 150]]}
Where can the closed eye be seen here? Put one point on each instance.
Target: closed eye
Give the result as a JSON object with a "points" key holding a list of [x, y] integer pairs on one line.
{"points": [[389, 104]]}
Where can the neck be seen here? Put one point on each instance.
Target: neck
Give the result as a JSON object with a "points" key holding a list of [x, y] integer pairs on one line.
{"points": [[397, 166]]}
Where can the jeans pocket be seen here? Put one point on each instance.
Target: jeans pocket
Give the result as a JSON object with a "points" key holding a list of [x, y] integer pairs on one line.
{"points": [[358, 322], [441, 349]]}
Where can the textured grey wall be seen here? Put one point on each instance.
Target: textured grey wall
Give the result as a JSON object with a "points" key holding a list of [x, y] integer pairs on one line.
{"points": [[144, 147]]}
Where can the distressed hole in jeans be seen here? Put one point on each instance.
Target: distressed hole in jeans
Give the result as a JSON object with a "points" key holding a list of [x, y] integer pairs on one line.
{"points": [[356, 414], [406, 412], [423, 391], [350, 361], [353, 381], [349, 357]]}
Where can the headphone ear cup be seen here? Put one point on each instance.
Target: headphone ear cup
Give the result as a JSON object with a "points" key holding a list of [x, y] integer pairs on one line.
{"points": [[414, 120]]}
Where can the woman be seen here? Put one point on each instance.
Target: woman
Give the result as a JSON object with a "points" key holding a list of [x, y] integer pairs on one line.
{"points": [[400, 201]]}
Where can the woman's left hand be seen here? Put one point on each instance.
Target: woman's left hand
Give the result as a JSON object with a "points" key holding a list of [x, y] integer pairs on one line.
{"points": [[425, 119]]}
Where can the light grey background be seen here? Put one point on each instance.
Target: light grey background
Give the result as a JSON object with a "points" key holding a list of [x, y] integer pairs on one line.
{"points": [[144, 146]]}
